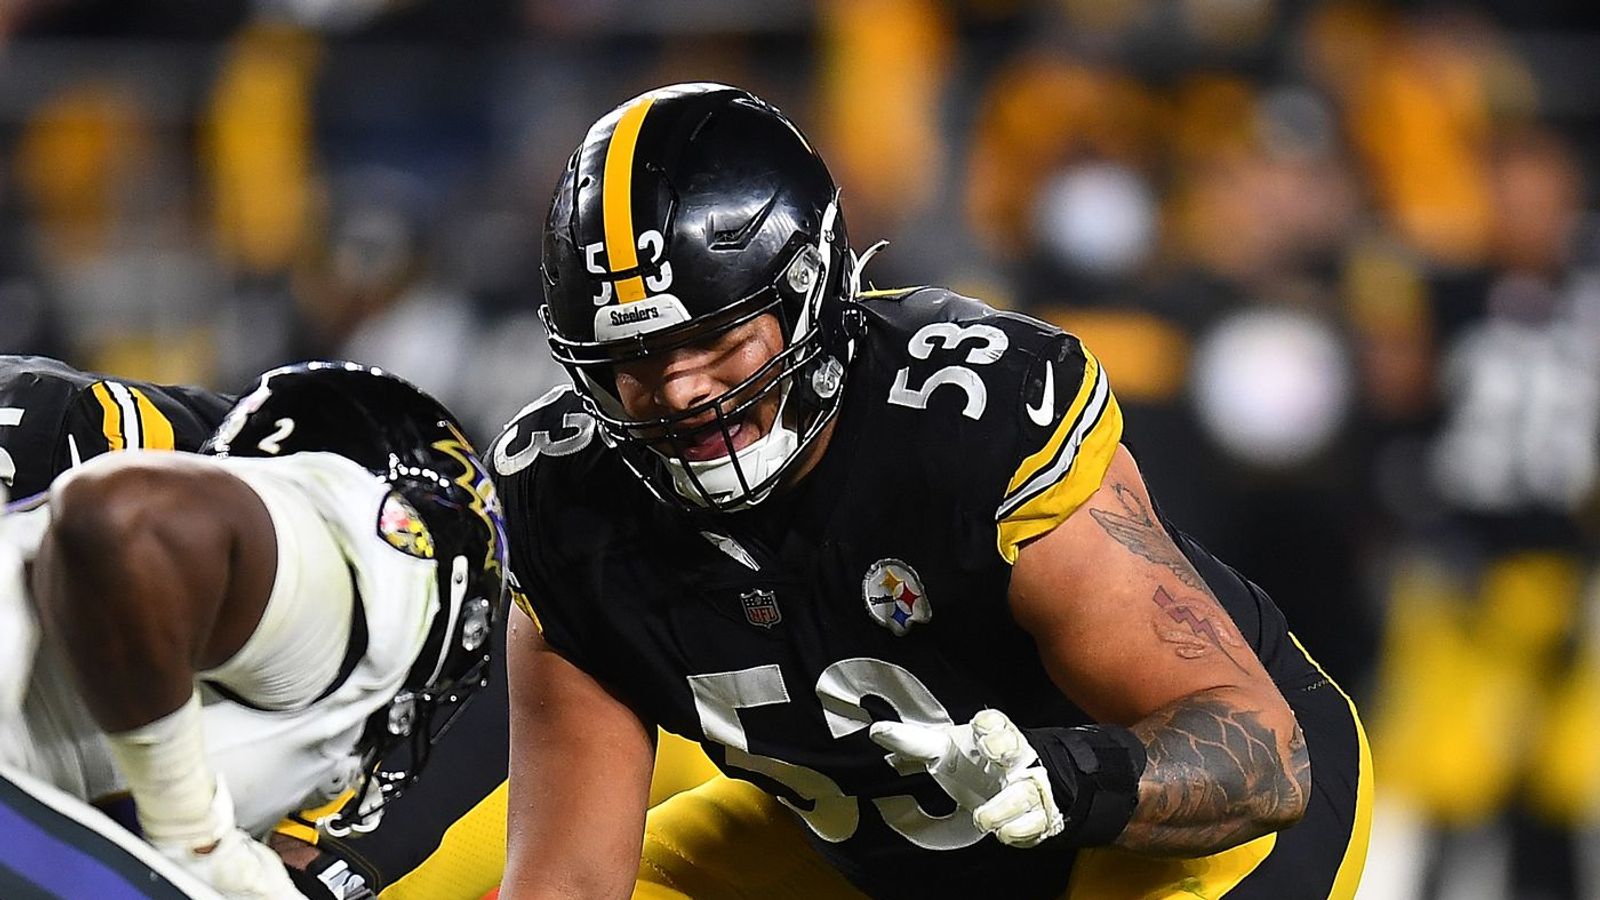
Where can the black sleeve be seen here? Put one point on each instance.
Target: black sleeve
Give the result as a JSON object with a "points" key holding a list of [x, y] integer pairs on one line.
{"points": [[1065, 427], [53, 417], [32, 407], [110, 414], [517, 464], [1016, 415]]}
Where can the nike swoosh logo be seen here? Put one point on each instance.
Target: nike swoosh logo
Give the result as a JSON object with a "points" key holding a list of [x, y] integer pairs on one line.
{"points": [[1046, 410]]}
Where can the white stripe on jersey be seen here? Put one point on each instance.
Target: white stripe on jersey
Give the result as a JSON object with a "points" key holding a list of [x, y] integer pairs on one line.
{"points": [[132, 431], [1057, 470]]}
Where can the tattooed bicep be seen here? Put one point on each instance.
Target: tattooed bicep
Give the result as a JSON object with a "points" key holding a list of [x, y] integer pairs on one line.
{"points": [[1131, 523], [1184, 613]]}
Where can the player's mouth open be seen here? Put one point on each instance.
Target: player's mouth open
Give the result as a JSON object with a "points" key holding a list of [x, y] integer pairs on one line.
{"points": [[708, 443]]}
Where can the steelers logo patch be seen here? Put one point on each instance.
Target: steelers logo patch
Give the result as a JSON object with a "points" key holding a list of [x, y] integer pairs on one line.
{"points": [[401, 526], [894, 595]]}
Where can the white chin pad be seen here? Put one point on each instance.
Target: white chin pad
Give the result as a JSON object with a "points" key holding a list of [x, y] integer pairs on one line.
{"points": [[720, 477]]}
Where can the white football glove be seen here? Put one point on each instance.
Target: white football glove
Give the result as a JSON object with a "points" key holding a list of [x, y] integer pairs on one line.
{"points": [[987, 766], [236, 865]]}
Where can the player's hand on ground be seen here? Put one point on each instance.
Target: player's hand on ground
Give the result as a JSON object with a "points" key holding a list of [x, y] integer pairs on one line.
{"points": [[233, 863], [987, 766], [238, 867]]}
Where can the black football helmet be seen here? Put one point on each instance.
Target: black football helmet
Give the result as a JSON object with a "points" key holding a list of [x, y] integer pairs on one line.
{"points": [[688, 211], [412, 443]]}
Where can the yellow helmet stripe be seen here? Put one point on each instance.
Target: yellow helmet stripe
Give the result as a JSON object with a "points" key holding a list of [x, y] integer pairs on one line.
{"points": [[617, 200], [111, 422]]}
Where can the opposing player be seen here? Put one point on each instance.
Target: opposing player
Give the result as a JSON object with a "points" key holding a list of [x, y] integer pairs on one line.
{"points": [[231, 638], [883, 555], [445, 839]]}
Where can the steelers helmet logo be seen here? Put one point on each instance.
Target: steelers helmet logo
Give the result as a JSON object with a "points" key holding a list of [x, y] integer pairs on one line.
{"points": [[894, 595]]}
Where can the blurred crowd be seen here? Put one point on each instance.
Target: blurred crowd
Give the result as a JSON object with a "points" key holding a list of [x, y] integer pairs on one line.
{"points": [[1338, 258]]}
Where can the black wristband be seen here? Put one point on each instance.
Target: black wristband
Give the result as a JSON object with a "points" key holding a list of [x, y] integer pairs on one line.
{"points": [[335, 874], [1094, 773]]}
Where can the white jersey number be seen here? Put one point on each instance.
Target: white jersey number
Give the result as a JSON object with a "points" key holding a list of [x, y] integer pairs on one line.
{"points": [[840, 688], [718, 697], [950, 336], [577, 430]]}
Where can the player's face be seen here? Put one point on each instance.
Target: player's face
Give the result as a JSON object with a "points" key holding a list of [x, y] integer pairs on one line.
{"points": [[673, 382]]}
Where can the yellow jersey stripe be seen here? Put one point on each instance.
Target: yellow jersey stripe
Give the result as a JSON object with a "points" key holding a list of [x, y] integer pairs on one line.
{"points": [[111, 418], [157, 427], [522, 603], [1348, 877], [132, 424], [1036, 463], [1051, 506], [617, 200], [1053, 482]]}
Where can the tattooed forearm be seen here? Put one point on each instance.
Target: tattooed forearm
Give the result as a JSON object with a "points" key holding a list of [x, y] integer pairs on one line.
{"points": [[1137, 529], [1218, 775], [1193, 629]]}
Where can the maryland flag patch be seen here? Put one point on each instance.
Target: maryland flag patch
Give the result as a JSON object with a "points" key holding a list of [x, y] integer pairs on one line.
{"points": [[401, 526]]}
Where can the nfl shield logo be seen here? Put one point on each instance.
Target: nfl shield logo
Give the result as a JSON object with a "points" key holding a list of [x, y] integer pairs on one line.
{"points": [[761, 608]]}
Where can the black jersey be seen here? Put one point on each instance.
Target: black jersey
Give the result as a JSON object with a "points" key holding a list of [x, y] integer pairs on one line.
{"points": [[875, 589], [53, 416]]}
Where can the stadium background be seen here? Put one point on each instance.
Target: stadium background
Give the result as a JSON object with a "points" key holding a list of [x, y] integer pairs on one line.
{"points": [[1338, 258]]}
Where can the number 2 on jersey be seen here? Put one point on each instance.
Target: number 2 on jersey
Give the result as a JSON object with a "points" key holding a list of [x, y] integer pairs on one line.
{"points": [[950, 336]]}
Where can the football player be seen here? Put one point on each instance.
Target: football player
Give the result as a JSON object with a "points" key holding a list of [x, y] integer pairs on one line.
{"points": [[229, 638], [53, 417], [446, 838], [883, 555]]}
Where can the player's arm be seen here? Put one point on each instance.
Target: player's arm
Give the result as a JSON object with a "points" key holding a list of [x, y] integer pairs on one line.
{"points": [[1130, 632], [579, 780], [155, 568]]}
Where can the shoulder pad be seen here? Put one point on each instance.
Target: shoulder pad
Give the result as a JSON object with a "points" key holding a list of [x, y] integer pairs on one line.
{"points": [[41, 368], [915, 305], [35, 396], [125, 416], [53, 416], [554, 425], [1016, 405], [944, 351]]}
